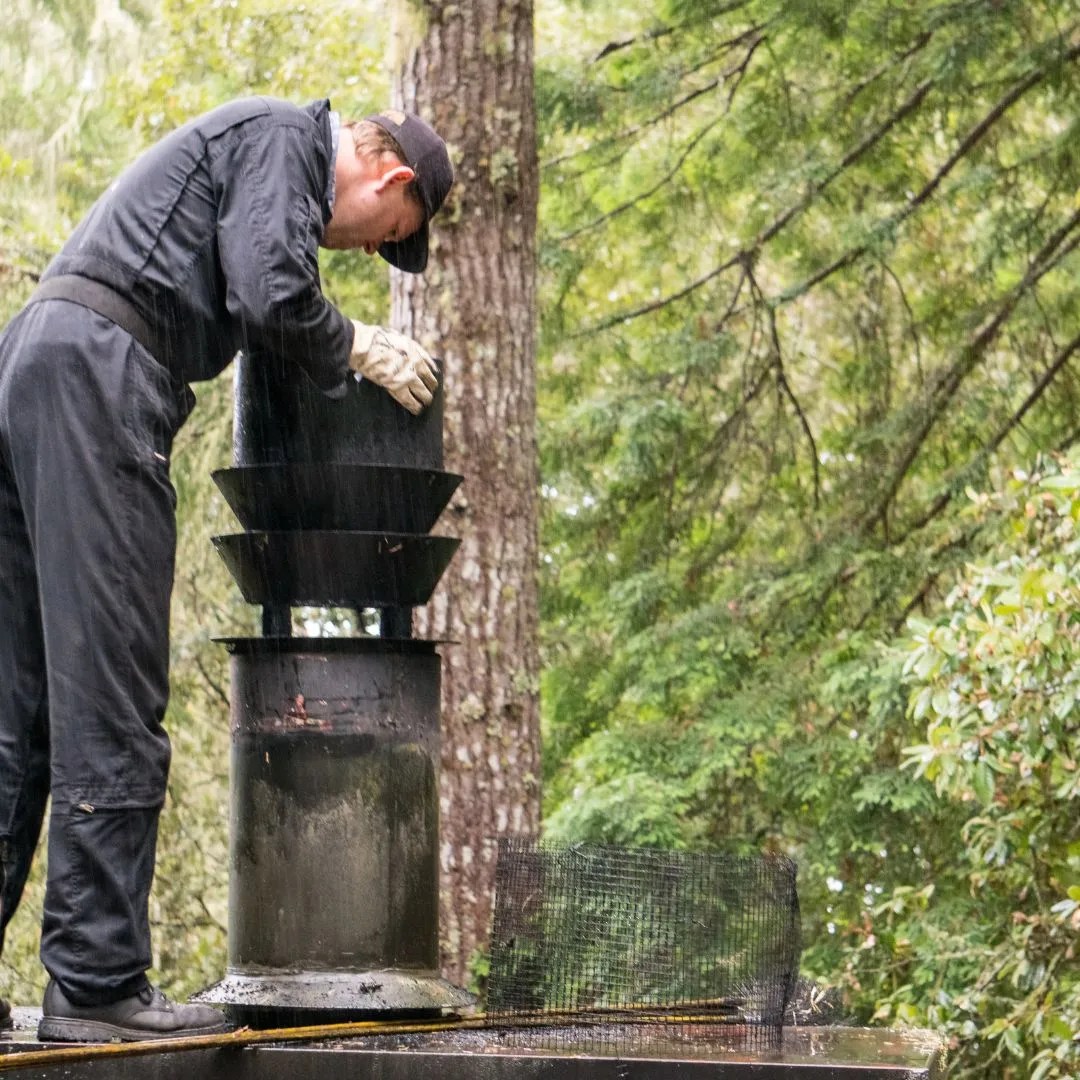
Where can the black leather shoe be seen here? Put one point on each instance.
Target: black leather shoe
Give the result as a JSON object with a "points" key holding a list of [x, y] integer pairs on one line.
{"points": [[148, 1014]]}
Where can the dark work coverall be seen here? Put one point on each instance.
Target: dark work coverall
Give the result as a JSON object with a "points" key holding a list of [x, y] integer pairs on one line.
{"points": [[212, 236]]}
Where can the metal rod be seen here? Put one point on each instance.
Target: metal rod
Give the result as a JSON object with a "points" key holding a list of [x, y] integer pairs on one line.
{"points": [[276, 620], [395, 622]]}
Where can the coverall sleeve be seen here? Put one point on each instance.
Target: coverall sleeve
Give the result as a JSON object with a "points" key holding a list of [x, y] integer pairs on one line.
{"points": [[269, 228]]}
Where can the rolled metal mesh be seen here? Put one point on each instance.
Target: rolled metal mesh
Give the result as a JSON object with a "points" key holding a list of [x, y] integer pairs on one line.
{"points": [[624, 941]]}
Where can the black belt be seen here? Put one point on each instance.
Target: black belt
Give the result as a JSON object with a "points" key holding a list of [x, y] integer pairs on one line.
{"points": [[108, 303]]}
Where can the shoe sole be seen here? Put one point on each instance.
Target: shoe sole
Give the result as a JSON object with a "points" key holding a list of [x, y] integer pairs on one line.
{"points": [[62, 1029]]}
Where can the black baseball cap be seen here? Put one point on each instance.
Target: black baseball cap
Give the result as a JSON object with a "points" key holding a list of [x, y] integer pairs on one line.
{"points": [[425, 153]]}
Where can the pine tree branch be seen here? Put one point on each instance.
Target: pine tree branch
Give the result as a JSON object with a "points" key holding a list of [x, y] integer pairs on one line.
{"points": [[631, 203], [913, 325], [733, 302], [737, 73], [662, 302], [919, 44], [1053, 251], [966, 145], [781, 376], [784, 385], [749, 252], [1060, 360], [706, 460], [661, 31], [630, 42], [752, 35], [974, 136]]}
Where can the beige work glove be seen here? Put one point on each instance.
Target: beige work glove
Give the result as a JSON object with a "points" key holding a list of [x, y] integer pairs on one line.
{"points": [[396, 363]]}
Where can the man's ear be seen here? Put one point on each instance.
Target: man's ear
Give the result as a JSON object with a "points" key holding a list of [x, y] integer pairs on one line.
{"points": [[400, 174]]}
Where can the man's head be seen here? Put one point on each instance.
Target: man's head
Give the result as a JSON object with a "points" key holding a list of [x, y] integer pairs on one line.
{"points": [[392, 174]]}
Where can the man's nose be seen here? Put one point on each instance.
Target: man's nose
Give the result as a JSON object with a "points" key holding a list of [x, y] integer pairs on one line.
{"points": [[370, 247]]}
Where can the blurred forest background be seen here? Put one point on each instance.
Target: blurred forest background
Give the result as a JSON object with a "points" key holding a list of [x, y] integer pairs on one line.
{"points": [[809, 317]]}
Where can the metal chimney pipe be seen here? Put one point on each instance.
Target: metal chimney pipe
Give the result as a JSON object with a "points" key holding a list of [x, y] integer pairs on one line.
{"points": [[334, 849]]}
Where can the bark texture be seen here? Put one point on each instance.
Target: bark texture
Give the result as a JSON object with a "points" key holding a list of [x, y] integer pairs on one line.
{"points": [[468, 69]]}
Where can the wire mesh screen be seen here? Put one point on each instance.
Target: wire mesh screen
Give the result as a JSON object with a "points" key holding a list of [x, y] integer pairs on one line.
{"points": [[627, 943]]}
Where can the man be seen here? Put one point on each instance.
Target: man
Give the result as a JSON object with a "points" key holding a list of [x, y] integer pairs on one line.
{"points": [[207, 244]]}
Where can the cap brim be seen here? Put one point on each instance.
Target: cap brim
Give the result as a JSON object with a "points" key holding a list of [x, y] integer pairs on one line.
{"points": [[410, 254]]}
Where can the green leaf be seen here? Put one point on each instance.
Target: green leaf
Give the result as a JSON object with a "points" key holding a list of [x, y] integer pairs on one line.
{"points": [[983, 782]]}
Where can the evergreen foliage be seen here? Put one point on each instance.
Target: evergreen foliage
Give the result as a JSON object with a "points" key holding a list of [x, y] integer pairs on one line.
{"points": [[810, 273]]}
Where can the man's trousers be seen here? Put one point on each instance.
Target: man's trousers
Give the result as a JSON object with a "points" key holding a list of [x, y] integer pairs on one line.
{"points": [[87, 545]]}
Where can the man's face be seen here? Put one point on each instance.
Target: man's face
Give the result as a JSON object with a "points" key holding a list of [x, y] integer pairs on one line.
{"points": [[371, 205]]}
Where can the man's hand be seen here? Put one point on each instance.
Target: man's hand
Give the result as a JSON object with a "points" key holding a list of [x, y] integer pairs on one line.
{"points": [[395, 362]]}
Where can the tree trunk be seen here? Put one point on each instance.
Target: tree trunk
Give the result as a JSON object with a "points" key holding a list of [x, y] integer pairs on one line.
{"points": [[467, 68]]}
